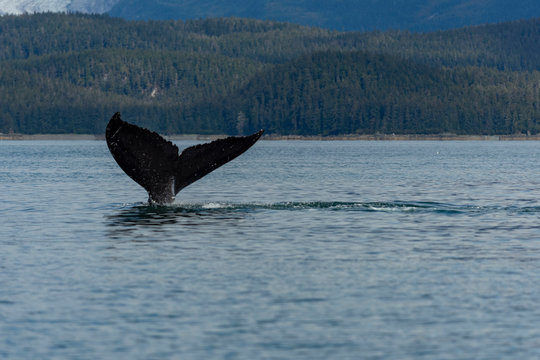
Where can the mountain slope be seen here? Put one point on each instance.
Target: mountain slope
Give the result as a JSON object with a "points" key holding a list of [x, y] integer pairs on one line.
{"points": [[69, 73], [33, 6], [513, 45], [30, 6], [343, 15], [332, 93], [91, 6]]}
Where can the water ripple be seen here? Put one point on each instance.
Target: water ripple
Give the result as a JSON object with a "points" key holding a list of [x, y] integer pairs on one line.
{"points": [[141, 211]]}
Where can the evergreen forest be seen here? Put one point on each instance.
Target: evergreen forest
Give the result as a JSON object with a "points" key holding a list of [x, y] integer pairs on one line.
{"points": [[69, 73]]}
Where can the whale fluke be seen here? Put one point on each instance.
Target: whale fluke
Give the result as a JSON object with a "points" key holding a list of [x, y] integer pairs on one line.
{"points": [[154, 163]]}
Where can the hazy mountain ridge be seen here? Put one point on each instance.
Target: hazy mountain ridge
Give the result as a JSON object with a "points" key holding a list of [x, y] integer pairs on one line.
{"points": [[342, 15], [31, 6], [39, 6], [91, 6]]}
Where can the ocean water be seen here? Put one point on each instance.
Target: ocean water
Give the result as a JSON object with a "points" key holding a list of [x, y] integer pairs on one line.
{"points": [[294, 250]]}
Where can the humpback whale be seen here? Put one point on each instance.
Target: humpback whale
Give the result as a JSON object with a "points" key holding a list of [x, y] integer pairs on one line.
{"points": [[154, 163]]}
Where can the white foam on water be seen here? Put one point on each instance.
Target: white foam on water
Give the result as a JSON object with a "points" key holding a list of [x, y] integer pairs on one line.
{"points": [[215, 205]]}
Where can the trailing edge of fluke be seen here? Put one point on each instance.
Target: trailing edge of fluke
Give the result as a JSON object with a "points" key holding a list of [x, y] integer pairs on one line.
{"points": [[154, 163]]}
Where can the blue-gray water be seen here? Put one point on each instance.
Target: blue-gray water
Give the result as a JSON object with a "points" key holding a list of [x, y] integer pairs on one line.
{"points": [[295, 250]]}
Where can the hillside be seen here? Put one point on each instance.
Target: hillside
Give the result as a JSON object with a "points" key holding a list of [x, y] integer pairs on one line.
{"points": [[342, 15], [332, 93], [68, 73]]}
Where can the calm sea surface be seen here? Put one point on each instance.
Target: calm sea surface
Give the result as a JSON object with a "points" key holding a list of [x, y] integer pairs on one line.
{"points": [[295, 250]]}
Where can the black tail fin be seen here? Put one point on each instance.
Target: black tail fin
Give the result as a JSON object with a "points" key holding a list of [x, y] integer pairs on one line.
{"points": [[154, 163]]}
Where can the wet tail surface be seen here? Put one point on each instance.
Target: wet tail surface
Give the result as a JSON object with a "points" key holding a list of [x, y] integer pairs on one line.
{"points": [[155, 163]]}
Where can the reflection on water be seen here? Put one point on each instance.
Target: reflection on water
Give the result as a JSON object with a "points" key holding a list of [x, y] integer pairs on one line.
{"points": [[146, 218], [155, 221]]}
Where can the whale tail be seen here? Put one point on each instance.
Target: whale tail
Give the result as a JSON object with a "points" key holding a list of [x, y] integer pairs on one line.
{"points": [[154, 163]]}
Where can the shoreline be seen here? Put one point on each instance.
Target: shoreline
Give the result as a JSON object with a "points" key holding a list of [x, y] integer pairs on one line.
{"points": [[408, 137], [373, 137]]}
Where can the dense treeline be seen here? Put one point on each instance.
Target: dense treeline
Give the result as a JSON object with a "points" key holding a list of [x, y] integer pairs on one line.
{"points": [[68, 73], [508, 46], [24, 36], [333, 93]]}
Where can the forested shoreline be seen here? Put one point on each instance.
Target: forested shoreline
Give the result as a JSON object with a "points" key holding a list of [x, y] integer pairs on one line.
{"points": [[68, 73]]}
